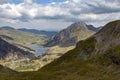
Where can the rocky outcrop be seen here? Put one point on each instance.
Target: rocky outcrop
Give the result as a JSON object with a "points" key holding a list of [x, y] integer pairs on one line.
{"points": [[71, 35], [11, 52]]}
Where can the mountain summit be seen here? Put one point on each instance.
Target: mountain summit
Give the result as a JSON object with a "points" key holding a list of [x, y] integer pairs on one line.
{"points": [[71, 35]]}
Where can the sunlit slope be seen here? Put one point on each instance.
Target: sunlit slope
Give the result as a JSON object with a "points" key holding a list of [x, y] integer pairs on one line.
{"points": [[19, 37]]}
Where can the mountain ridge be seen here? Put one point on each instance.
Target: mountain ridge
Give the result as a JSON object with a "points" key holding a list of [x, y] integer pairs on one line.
{"points": [[71, 35], [40, 32], [7, 27], [15, 36]]}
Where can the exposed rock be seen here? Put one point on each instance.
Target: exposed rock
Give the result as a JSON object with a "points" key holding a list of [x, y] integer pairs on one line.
{"points": [[11, 52], [71, 35]]}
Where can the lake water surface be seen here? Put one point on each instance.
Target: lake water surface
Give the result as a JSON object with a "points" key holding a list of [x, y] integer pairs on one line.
{"points": [[39, 50]]}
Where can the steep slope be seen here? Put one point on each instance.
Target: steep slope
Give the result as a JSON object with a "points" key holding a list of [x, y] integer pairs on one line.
{"points": [[71, 35], [40, 32], [19, 37], [10, 52]]}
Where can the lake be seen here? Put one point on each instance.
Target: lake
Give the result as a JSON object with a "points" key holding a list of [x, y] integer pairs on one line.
{"points": [[39, 50]]}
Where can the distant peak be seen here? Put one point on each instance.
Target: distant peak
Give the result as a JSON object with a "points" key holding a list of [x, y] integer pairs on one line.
{"points": [[7, 27], [79, 24]]}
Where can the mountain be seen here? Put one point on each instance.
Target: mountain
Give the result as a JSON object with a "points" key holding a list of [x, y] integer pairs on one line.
{"points": [[78, 29], [7, 28], [52, 53], [71, 35], [66, 40], [40, 32], [96, 58], [21, 38], [91, 27], [10, 52]]}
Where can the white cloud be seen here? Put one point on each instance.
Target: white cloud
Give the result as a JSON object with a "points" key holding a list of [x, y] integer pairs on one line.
{"points": [[76, 1], [28, 1], [90, 11]]}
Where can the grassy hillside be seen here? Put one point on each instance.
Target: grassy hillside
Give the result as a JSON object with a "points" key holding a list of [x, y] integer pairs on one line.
{"points": [[20, 37], [6, 73]]}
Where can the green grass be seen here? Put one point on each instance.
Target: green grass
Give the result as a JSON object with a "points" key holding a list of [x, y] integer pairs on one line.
{"points": [[22, 38]]}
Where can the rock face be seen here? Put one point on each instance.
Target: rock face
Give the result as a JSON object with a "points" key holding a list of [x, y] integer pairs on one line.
{"points": [[71, 35], [11, 52]]}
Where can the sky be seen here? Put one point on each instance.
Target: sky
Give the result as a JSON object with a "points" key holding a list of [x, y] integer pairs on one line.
{"points": [[57, 14]]}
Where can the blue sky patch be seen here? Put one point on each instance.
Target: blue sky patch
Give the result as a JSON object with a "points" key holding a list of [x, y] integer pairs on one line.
{"points": [[38, 1]]}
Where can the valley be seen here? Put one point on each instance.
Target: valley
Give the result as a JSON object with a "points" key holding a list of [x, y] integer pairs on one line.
{"points": [[96, 57], [59, 39], [41, 47], [26, 41]]}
